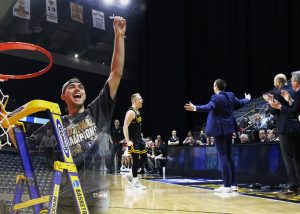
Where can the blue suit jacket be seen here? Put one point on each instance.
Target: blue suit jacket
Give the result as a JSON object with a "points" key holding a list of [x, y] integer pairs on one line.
{"points": [[220, 120]]}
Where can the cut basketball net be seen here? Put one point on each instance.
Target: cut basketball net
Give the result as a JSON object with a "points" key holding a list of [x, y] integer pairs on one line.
{"points": [[5, 125], [4, 120]]}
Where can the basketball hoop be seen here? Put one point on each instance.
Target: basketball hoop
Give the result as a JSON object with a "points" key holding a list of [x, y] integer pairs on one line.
{"points": [[5, 126], [25, 46]]}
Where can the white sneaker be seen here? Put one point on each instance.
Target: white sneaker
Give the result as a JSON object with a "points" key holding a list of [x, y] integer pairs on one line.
{"points": [[136, 184], [129, 177], [234, 188], [103, 168], [223, 189]]}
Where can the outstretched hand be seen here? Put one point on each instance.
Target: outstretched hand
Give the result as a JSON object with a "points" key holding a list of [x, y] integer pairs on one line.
{"points": [[190, 107], [248, 96], [119, 25]]}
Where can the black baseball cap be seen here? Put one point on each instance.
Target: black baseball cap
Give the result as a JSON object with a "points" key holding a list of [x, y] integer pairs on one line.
{"points": [[72, 80]]}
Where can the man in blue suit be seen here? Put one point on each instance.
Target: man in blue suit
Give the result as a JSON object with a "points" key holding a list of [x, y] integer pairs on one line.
{"points": [[221, 124]]}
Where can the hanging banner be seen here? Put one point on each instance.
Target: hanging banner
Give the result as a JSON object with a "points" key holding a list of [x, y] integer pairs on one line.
{"points": [[22, 9], [76, 12], [98, 19], [51, 11]]}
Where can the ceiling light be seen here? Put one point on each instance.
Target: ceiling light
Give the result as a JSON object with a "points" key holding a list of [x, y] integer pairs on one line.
{"points": [[124, 2], [108, 1]]}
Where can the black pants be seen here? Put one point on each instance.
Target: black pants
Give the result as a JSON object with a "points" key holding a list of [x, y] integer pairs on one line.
{"points": [[224, 151], [116, 149], [290, 150]]}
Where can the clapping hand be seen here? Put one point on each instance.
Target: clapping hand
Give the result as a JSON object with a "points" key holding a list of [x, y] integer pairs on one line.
{"points": [[286, 95], [268, 97], [275, 104]]}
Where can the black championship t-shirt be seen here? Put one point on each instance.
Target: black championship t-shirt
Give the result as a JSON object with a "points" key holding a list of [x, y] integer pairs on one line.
{"points": [[85, 131]]}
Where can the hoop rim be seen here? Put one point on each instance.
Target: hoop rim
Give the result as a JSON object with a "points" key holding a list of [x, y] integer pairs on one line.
{"points": [[30, 47]]}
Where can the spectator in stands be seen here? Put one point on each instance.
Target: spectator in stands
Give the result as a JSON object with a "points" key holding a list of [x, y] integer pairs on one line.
{"points": [[208, 141], [173, 140], [150, 146], [245, 123], [160, 156], [271, 122], [285, 102], [221, 124], [189, 140], [158, 137], [257, 120], [260, 121], [263, 136], [244, 139], [235, 138], [126, 160], [272, 135], [202, 139], [211, 141], [49, 144]]}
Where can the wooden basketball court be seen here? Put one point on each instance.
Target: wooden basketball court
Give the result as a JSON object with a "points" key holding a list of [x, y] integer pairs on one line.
{"points": [[118, 197], [168, 198]]}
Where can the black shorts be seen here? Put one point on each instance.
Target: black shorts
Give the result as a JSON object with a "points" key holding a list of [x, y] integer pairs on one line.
{"points": [[138, 147]]}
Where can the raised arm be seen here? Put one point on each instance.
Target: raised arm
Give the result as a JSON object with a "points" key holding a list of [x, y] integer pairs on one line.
{"points": [[118, 57], [240, 102]]}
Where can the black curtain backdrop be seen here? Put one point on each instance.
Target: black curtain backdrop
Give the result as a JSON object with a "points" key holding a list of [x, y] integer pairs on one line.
{"points": [[163, 73], [189, 44]]}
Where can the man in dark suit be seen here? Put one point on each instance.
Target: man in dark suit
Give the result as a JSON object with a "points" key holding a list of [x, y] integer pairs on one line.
{"points": [[221, 124], [286, 105]]}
